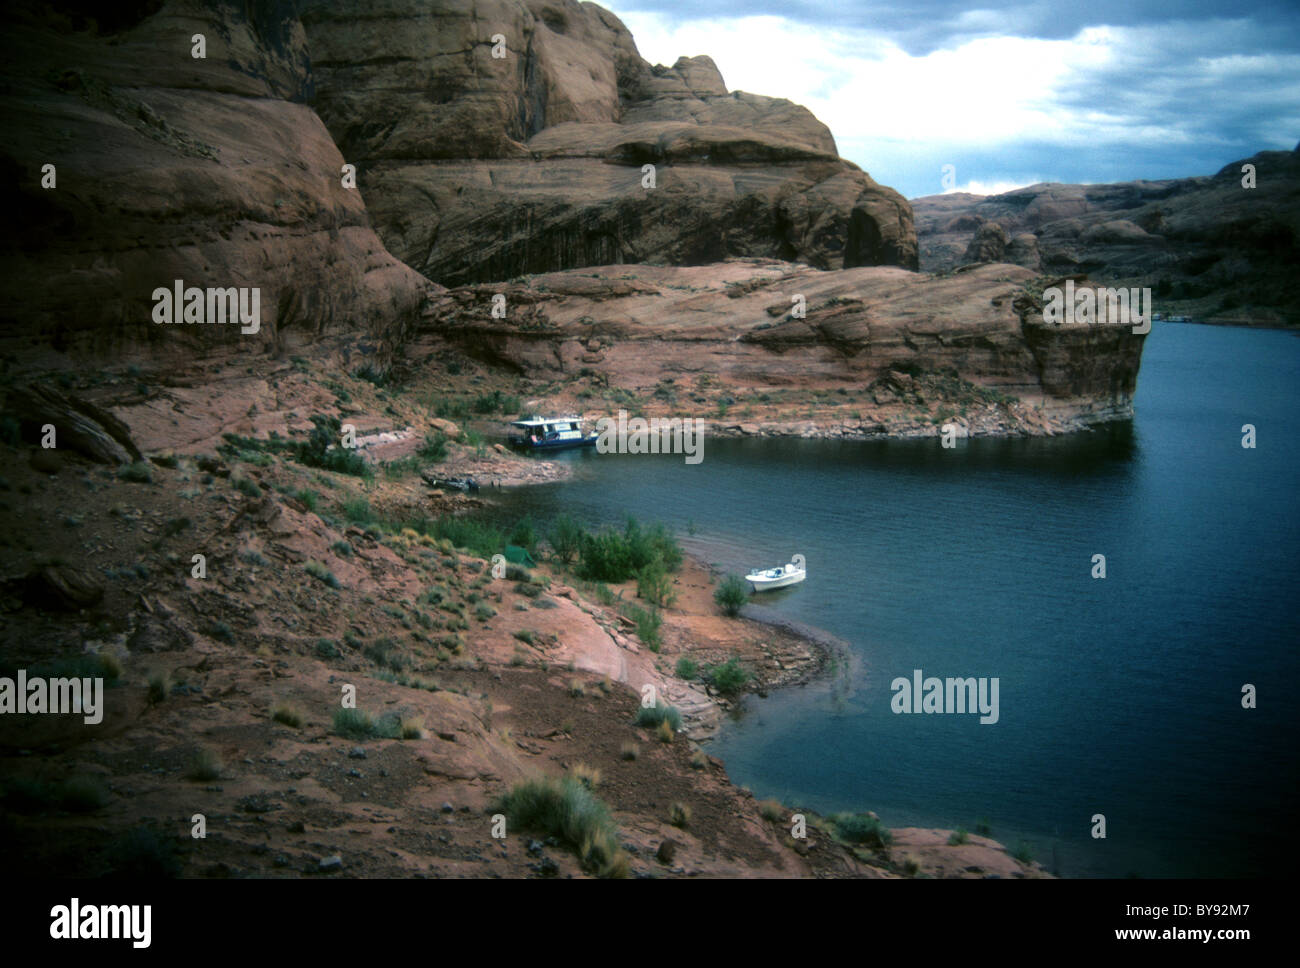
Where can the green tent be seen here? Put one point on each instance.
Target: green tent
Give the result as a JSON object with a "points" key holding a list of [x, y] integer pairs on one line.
{"points": [[519, 556]]}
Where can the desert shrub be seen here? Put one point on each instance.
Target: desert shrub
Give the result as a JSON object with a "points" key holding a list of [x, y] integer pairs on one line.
{"points": [[566, 809], [159, 686], [648, 622], [773, 811], [729, 677], [137, 473], [860, 828], [433, 449], [246, 487], [205, 766], [687, 668], [588, 776], [383, 652], [323, 449], [358, 510], [321, 573], [731, 595], [659, 713], [524, 534], [618, 555], [654, 585], [565, 538], [288, 714], [354, 724]]}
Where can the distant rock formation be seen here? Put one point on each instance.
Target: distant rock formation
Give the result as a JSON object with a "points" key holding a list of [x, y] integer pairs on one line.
{"points": [[1206, 246], [479, 168]]}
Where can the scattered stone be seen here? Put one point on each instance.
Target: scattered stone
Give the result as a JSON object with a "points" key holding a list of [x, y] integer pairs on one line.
{"points": [[357, 753], [331, 863]]}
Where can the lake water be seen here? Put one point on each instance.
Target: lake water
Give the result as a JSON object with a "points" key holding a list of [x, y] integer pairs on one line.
{"points": [[1118, 696]]}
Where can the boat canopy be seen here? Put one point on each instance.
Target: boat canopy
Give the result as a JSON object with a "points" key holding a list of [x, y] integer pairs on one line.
{"points": [[536, 421]]}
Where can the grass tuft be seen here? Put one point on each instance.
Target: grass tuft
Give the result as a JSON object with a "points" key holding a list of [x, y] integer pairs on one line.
{"points": [[565, 808]]}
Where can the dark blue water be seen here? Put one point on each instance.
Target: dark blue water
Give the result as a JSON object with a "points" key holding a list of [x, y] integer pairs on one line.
{"points": [[1119, 696]]}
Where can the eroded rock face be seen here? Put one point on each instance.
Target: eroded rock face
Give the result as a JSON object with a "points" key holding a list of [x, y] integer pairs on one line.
{"points": [[166, 166], [478, 168], [734, 323], [1207, 246]]}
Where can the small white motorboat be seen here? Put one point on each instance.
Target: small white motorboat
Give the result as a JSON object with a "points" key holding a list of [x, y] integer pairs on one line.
{"points": [[780, 576]]}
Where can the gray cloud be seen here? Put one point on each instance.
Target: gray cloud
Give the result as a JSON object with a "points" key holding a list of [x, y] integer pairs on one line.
{"points": [[923, 26]]}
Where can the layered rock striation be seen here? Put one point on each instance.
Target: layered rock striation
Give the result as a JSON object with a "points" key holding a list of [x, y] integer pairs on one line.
{"points": [[163, 166], [480, 167], [930, 346]]}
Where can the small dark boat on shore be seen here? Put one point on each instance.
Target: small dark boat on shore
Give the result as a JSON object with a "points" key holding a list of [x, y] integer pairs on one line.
{"points": [[453, 483]]}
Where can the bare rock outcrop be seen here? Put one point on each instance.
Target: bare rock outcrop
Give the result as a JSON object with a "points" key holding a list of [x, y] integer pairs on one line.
{"points": [[735, 323], [481, 168], [164, 166], [988, 245]]}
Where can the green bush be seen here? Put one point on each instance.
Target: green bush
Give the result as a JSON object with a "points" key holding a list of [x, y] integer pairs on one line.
{"points": [[358, 511], [433, 449], [354, 723], [652, 716], [221, 632], [137, 473], [321, 573], [307, 498], [246, 487], [322, 449], [524, 535], [731, 595], [687, 668], [617, 556], [648, 622], [565, 808], [860, 828], [565, 538], [729, 677], [384, 652], [654, 585], [477, 536]]}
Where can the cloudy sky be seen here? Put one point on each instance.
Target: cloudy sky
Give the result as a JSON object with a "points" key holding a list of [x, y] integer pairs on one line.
{"points": [[1008, 93]]}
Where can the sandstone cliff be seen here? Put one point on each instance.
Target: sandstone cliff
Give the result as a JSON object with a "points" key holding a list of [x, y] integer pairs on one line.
{"points": [[213, 171], [1206, 246], [480, 168], [899, 353]]}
